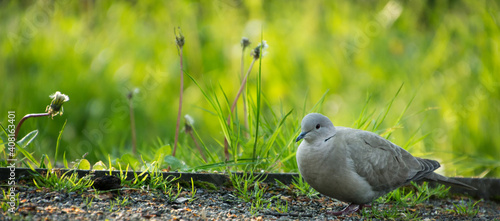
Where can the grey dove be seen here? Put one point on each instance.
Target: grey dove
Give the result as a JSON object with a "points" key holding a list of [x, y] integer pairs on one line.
{"points": [[357, 166]]}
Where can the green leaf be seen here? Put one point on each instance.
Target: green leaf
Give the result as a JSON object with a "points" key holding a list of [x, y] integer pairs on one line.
{"points": [[111, 168], [163, 151], [129, 159], [84, 164], [58, 140], [65, 162], [26, 140], [3, 138], [44, 165], [174, 163], [99, 166], [29, 156]]}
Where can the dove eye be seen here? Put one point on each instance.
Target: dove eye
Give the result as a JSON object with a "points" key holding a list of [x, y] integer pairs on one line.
{"points": [[317, 126]]}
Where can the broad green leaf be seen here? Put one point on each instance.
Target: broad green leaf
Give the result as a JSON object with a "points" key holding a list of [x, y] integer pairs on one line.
{"points": [[174, 163], [129, 159], [164, 150], [84, 164], [26, 140], [99, 166]]}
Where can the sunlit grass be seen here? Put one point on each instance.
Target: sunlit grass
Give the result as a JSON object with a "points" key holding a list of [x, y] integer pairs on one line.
{"points": [[398, 203], [65, 182], [445, 53]]}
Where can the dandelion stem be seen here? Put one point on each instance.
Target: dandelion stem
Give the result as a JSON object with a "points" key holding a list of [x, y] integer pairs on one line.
{"points": [[245, 113], [190, 132], [259, 93], [180, 104], [26, 117], [132, 123], [180, 44], [243, 83]]}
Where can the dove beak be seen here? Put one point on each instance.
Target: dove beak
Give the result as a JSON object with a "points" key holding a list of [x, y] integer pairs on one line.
{"points": [[301, 136]]}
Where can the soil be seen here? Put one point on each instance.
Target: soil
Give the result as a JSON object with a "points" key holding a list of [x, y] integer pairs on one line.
{"points": [[220, 204]]}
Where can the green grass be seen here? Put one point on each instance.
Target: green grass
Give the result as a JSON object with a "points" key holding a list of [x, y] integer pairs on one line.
{"points": [[192, 193], [66, 182], [10, 200], [88, 202], [399, 203], [467, 209], [118, 203], [390, 213], [338, 58], [280, 206], [303, 187], [247, 186], [414, 195]]}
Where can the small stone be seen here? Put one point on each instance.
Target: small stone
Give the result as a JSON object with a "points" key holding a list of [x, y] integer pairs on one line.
{"points": [[181, 200]]}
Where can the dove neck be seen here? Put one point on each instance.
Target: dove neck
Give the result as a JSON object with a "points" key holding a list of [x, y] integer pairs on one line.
{"points": [[330, 137], [331, 134]]}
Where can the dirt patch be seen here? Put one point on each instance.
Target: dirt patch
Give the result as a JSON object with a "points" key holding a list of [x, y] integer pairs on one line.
{"points": [[278, 203]]}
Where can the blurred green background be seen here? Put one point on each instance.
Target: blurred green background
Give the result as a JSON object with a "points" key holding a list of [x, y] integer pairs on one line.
{"points": [[446, 53]]}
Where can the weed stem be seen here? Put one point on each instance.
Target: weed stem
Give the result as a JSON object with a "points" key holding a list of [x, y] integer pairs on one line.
{"points": [[189, 130], [243, 83], [180, 44], [132, 123], [245, 113], [26, 117]]}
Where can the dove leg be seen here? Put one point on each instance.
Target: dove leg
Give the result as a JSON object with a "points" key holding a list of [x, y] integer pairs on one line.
{"points": [[352, 208]]}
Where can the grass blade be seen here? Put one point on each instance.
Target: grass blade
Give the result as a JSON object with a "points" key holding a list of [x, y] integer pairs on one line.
{"points": [[58, 140]]}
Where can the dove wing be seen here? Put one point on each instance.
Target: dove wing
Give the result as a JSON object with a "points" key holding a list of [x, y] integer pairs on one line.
{"points": [[384, 165]]}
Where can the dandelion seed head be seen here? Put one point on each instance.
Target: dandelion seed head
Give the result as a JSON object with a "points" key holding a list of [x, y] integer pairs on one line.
{"points": [[179, 38], [189, 119], [55, 106], [245, 42], [256, 52]]}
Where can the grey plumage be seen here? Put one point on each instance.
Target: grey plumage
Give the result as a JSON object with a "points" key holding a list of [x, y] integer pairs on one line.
{"points": [[358, 166]]}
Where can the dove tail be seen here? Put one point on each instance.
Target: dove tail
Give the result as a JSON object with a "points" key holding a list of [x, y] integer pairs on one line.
{"points": [[447, 181]]}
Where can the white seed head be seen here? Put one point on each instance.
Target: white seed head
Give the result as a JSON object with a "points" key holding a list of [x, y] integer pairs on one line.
{"points": [[189, 119]]}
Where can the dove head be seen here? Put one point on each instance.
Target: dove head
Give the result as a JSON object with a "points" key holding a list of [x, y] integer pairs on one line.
{"points": [[316, 127]]}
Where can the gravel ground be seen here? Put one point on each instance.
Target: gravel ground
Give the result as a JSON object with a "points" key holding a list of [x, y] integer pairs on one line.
{"points": [[221, 204]]}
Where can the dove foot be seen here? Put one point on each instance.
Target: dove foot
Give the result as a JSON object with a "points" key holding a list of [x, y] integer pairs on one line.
{"points": [[352, 208]]}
